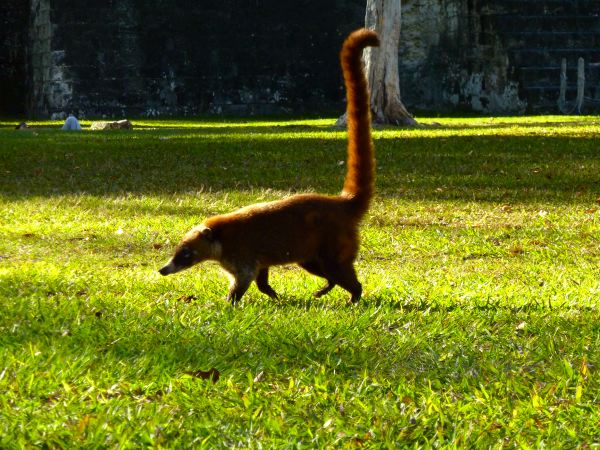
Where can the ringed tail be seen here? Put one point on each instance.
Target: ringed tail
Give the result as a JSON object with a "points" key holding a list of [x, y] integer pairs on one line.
{"points": [[358, 185]]}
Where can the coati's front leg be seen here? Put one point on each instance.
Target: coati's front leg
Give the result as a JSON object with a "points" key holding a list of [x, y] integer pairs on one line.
{"points": [[239, 284], [237, 289], [262, 282], [241, 278]]}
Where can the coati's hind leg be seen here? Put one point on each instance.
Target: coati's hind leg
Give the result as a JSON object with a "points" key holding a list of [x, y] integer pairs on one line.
{"points": [[325, 289], [336, 273], [262, 282], [316, 268], [344, 275]]}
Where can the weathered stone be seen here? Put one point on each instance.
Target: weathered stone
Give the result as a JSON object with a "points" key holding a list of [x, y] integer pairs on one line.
{"points": [[58, 115], [71, 124], [495, 56], [115, 125]]}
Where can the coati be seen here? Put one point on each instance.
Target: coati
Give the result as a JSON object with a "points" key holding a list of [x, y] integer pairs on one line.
{"points": [[317, 232]]}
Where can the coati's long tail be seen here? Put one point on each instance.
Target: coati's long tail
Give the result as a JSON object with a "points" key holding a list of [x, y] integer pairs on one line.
{"points": [[358, 184]]}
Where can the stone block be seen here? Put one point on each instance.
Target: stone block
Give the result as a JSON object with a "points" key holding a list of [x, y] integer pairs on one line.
{"points": [[114, 125]]}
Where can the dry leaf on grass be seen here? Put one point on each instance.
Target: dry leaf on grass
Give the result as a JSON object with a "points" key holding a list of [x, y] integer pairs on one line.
{"points": [[187, 298], [211, 374], [516, 250]]}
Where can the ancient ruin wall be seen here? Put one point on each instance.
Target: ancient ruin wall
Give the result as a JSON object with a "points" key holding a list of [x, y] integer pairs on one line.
{"points": [[451, 59], [189, 57], [185, 57]]}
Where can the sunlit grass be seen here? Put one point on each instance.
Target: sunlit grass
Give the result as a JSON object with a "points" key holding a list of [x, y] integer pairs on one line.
{"points": [[479, 326]]}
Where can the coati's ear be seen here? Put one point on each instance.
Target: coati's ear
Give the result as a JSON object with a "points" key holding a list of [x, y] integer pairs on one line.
{"points": [[207, 233]]}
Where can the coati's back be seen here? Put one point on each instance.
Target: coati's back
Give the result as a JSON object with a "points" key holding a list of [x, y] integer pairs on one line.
{"points": [[284, 231]]}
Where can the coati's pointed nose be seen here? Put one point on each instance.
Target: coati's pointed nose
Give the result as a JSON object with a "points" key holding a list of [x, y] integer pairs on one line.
{"points": [[165, 270]]}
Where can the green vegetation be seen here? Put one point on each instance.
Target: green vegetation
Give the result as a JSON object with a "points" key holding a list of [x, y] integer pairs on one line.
{"points": [[479, 327]]}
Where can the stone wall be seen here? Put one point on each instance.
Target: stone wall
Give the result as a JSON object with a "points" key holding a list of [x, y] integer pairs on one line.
{"points": [[188, 57], [449, 59], [498, 56]]}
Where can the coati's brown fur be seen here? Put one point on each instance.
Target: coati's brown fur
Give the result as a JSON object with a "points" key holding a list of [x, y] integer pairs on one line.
{"points": [[318, 232]]}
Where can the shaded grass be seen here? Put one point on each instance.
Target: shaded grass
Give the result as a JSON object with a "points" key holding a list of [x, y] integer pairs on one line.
{"points": [[479, 326]]}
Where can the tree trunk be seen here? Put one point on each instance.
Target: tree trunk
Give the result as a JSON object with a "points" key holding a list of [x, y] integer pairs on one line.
{"points": [[381, 65]]}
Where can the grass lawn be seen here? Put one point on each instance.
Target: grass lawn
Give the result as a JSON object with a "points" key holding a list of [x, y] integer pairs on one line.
{"points": [[480, 261]]}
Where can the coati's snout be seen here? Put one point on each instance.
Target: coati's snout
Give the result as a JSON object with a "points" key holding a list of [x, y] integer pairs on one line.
{"points": [[167, 270], [184, 257]]}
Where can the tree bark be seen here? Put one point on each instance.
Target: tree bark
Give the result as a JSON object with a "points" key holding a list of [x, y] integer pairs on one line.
{"points": [[381, 65]]}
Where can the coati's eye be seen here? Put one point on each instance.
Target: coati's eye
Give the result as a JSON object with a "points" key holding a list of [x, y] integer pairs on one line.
{"points": [[184, 257]]}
